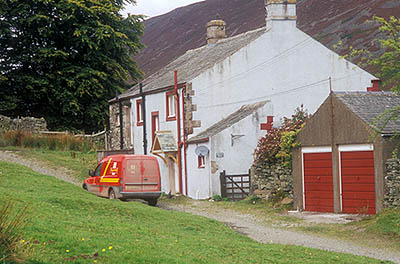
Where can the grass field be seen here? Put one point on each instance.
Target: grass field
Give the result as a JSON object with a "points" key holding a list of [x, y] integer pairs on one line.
{"points": [[67, 224]]}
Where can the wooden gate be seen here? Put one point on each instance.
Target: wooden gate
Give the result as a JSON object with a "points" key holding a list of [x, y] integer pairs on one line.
{"points": [[235, 187]]}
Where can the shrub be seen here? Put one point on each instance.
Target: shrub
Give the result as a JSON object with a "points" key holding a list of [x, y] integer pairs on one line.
{"points": [[277, 144], [11, 225]]}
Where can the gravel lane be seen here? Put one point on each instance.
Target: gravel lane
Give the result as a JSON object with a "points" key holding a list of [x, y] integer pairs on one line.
{"points": [[252, 227], [60, 173]]}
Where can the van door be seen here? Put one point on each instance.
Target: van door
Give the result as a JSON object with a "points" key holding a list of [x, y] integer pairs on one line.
{"points": [[151, 175], [94, 182], [110, 176], [132, 181]]}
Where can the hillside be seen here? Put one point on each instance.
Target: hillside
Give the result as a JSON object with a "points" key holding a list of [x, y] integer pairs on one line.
{"points": [[170, 35]]}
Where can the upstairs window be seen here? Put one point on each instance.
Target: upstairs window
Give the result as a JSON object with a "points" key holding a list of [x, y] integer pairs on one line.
{"points": [[171, 106], [139, 112]]}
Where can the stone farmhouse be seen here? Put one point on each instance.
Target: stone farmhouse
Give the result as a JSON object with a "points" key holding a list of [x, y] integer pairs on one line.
{"points": [[205, 112]]}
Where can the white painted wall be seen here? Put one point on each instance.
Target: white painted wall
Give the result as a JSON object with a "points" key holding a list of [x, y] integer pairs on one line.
{"points": [[199, 182], [237, 158], [285, 66], [154, 103]]}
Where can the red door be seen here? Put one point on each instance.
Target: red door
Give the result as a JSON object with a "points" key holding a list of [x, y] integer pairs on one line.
{"points": [[318, 182], [358, 182]]}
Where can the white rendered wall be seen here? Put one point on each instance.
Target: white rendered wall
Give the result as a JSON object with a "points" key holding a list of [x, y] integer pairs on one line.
{"points": [[155, 103], [237, 159], [198, 178], [283, 65]]}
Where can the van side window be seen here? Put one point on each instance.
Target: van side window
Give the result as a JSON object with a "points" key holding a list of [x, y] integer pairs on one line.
{"points": [[98, 170]]}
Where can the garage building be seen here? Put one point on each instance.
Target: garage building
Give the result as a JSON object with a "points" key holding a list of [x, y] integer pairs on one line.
{"points": [[340, 166]]}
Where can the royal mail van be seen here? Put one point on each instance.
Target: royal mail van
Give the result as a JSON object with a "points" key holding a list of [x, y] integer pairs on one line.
{"points": [[126, 177]]}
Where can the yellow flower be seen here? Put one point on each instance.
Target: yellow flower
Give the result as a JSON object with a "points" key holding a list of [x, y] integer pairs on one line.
{"points": [[67, 250], [83, 239], [103, 249], [110, 247], [23, 241]]}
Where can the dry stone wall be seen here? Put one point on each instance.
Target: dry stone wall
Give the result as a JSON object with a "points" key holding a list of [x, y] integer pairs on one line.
{"points": [[28, 124], [392, 184], [268, 180]]}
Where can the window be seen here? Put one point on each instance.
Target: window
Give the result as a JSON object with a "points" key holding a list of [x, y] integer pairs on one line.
{"points": [[98, 170], [201, 162], [155, 124], [139, 112], [171, 106]]}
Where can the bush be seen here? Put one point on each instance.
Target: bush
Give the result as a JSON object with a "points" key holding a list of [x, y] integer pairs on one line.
{"points": [[277, 144], [11, 225]]}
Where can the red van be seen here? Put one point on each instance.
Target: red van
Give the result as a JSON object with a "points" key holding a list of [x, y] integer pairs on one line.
{"points": [[126, 177]]}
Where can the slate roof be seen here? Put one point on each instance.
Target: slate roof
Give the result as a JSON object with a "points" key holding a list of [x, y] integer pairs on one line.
{"points": [[370, 105], [194, 62], [229, 121]]}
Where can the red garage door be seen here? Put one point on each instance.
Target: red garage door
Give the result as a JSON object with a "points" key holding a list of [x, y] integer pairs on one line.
{"points": [[358, 182], [318, 182]]}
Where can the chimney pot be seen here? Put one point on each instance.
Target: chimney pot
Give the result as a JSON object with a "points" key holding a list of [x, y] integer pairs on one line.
{"points": [[376, 85], [216, 30]]}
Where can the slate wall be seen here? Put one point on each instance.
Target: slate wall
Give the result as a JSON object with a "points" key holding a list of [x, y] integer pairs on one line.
{"points": [[392, 184], [269, 180], [29, 124]]}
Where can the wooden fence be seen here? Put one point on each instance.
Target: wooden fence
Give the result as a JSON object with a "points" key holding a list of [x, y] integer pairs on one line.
{"points": [[235, 187]]}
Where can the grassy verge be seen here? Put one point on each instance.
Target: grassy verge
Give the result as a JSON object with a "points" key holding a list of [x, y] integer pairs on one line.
{"points": [[67, 224], [78, 162]]}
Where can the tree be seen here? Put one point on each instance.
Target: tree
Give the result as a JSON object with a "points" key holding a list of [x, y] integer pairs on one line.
{"points": [[64, 59], [388, 63]]}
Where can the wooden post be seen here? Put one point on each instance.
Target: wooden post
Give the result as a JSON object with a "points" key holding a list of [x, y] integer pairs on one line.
{"points": [[223, 184], [250, 189]]}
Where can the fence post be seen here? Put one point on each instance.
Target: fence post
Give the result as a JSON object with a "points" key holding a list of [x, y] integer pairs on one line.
{"points": [[222, 179], [250, 188]]}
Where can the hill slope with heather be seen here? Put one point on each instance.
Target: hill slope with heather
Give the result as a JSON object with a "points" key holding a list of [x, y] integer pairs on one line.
{"points": [[170, 35]]}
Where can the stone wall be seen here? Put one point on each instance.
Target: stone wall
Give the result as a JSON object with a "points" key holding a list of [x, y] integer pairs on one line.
{"points": [[269, 180], [392, 184], [114, 142], [29, 124]]}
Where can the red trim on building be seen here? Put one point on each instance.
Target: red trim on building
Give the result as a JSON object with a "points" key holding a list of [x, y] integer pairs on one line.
{"points": [[139, 114], [201, 162], [167, 95]]}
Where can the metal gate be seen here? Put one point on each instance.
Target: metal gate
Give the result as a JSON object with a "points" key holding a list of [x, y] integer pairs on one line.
{"points": [[235, 187]]}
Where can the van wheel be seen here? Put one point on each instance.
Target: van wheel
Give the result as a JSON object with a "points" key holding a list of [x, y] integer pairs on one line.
{"points": [[152, 202], [111, 194], [84, 187]]}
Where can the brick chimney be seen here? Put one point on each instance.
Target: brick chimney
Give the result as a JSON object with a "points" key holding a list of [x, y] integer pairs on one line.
{"points": [[215, 31], [376, 85], [280, 13]]}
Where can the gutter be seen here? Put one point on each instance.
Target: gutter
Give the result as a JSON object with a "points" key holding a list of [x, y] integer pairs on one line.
{"points": [[155, 91]]}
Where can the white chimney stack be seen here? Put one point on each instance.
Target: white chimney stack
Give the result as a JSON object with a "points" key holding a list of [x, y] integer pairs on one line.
{"points": [[280, 13]]}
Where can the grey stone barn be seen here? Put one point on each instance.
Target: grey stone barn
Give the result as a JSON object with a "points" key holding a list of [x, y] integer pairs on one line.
{"points": [[341, 164]]}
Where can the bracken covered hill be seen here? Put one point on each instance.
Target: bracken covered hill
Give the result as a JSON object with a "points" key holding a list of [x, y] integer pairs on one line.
{"points": [[170, 35]]}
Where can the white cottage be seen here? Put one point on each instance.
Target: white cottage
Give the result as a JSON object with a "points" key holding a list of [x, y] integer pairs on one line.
{"points": [[227, 94]]}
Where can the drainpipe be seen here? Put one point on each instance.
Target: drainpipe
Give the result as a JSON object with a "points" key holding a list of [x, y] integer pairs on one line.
{"points": [[144, 119], [184, 141], [178, 127], [121, 128]]}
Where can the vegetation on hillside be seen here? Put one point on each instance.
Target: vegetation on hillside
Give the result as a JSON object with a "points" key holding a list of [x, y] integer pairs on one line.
{"points": [[67, 224], [63, 60]]}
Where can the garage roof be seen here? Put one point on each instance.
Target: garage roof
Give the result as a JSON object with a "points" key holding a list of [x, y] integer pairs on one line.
{"points": [[375, 108]]}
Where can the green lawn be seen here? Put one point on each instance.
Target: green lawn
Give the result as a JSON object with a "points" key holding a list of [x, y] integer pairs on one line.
{"points": [[63, 217]]}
